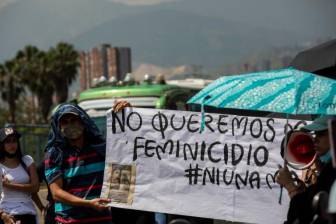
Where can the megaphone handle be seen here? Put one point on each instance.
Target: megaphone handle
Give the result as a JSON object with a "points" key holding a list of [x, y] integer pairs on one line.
{"points": [[281, 187], [284, 156]]}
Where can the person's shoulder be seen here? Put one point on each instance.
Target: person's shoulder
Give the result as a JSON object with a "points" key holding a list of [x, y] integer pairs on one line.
{"points": [[27, 159], [53, 153], [53, 150]]}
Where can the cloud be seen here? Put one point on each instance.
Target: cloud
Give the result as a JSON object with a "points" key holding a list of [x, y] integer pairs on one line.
{"points": [[142, 2], [4, 3]]}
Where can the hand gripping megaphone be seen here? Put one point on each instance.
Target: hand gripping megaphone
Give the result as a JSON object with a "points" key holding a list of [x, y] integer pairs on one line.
{"points": [[299, 153]]}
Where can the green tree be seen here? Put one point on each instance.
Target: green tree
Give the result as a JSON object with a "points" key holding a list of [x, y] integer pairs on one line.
{"points": [[11, 86], [64, 68], [45, 88], [36, 74], [4, 114], [27, 58]]}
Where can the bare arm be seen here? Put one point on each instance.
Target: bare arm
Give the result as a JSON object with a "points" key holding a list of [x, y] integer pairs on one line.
{"points": [[65, 197], [32, 187], [38, 201]]}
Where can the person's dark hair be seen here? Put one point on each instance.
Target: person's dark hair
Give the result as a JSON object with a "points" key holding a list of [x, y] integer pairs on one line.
{"points": [[18, 152]]}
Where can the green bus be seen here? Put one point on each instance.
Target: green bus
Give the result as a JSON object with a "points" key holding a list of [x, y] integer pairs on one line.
{"points": [[96, 101]]}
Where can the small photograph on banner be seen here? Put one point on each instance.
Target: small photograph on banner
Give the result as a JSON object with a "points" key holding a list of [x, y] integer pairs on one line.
{"points": [[121, 183]]}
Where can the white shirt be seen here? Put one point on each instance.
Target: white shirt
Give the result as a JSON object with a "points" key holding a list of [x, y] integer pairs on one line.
{"points": [[13, 201], [1, 184]]}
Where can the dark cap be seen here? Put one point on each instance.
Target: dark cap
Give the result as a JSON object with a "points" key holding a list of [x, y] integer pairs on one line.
{"points": [[5, 132], [69, 111], [319, 124]]}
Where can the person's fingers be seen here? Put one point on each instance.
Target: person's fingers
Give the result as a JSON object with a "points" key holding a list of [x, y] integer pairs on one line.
{"points": [[10, 220], [279, 180], [114, 107], [120, 105], [103, 201], [124, 103], [281, 175], [100, 204]]}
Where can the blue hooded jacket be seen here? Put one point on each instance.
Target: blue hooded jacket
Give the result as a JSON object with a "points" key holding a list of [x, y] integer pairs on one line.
{"points": [[91, 131], [81, 169]]}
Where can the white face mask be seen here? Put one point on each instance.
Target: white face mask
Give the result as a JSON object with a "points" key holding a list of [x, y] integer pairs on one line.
{"points": [[72, 131]]}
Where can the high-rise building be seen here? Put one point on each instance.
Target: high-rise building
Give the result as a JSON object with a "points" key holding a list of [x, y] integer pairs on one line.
{"points": [[106, 61], [124, 62]]}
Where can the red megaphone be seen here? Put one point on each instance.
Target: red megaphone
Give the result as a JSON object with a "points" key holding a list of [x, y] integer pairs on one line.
{"points": [[300, 153]]}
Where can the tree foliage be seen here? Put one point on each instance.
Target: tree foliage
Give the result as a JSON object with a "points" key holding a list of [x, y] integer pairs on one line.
{"points": [[64, 69], [43, 73], [11, 86]]}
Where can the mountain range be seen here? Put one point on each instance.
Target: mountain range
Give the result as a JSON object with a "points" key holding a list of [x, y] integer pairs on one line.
{"points": [[210, 33]]}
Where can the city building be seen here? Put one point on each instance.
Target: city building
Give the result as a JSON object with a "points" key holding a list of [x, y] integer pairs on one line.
{"points": [[104, 61]]}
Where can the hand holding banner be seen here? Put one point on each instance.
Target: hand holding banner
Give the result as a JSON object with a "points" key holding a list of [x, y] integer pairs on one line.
{"points": [[226, 172]]}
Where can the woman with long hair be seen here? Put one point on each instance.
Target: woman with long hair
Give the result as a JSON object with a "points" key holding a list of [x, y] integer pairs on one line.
{"points": [[19, 178]]}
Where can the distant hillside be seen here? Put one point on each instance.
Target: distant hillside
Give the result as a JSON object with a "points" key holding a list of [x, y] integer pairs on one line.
{"points": [[169, 37], [210, 33], [154, 70]]}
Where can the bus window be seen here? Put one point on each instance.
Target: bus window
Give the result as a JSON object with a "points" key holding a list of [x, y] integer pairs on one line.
{"points": [[178, 101]]}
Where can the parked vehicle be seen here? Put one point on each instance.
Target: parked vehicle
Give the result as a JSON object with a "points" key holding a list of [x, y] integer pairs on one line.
{"points": [[96, 101]]}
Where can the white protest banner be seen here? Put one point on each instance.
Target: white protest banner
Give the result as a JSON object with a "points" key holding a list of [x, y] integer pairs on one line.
{"points": [[157, 160]]}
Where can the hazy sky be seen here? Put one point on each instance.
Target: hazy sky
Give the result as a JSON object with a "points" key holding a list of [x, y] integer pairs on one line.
{"points": [[142, 2], [4, 3], [301, 13], [46, 22]]}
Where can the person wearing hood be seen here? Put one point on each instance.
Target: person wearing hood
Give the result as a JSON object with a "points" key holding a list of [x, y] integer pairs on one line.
{"points": [[301, 204], [74, 166]]}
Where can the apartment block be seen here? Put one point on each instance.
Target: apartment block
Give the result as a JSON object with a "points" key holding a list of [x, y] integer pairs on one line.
{"points": [[106, 61]]}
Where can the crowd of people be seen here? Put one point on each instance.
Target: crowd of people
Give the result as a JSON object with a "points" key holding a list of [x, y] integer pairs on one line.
{"points": [[74, 165], [73, 169]]}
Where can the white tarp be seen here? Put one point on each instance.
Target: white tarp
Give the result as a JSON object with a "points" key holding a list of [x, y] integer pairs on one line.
{"points": [[157, 160]]}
